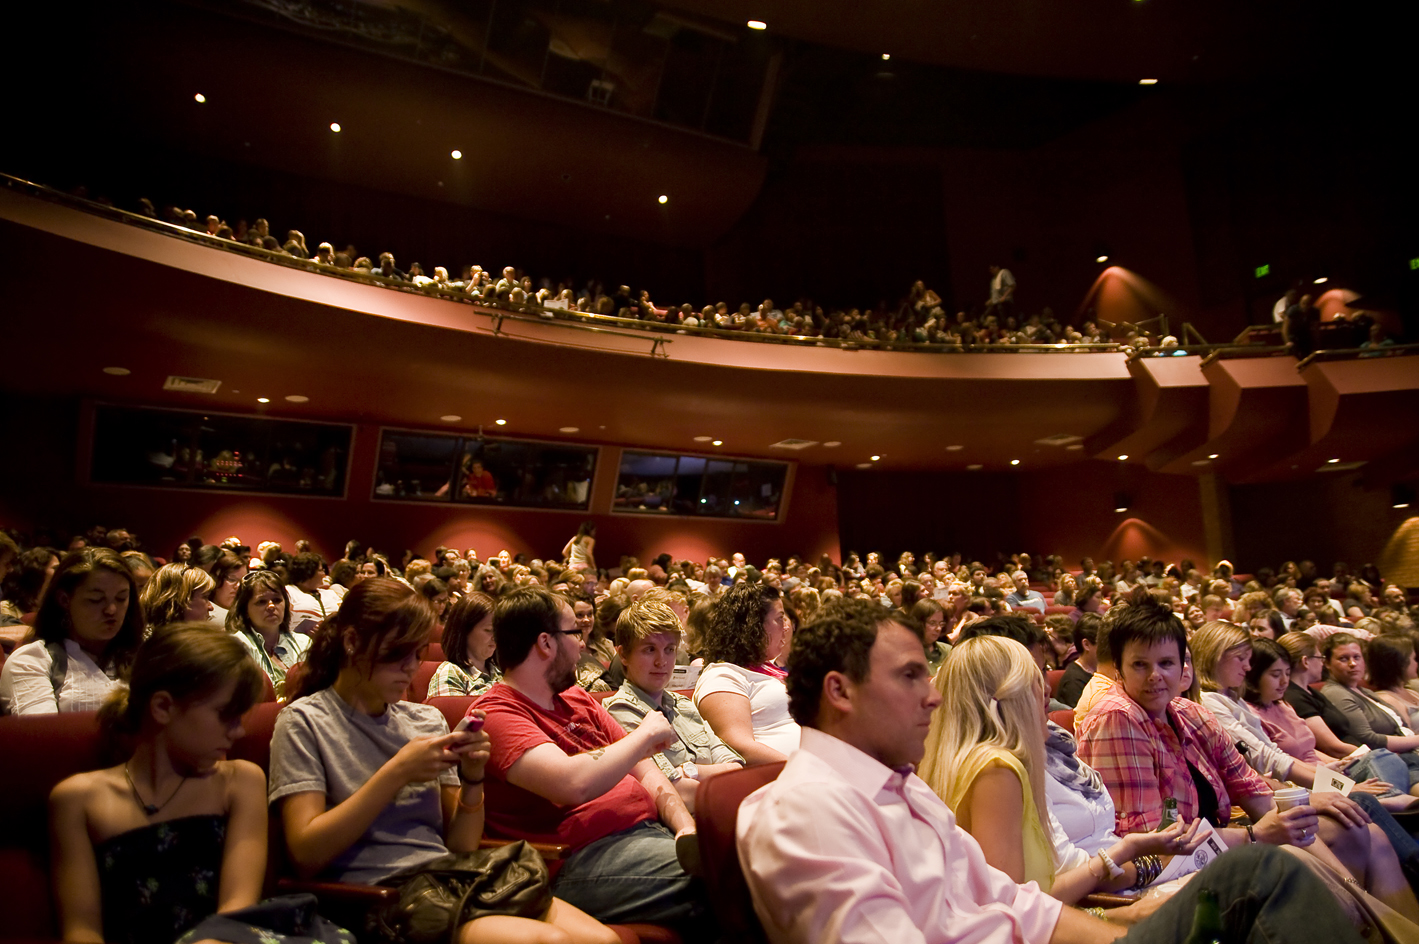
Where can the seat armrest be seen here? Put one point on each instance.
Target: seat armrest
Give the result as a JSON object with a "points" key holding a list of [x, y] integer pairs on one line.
{"points": [[550, 851], [337, 891]]}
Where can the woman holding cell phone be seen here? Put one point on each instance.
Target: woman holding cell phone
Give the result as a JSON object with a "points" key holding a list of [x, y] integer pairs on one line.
{"points": [[376, 790]]}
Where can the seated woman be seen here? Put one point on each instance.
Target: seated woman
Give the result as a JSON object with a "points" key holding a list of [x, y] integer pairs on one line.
{"points": [[373, 789], [88, 627], [1146, 744], [261, 618], [741, 691], [1392, 668], [226, 570], [468, 648], [647, 640], [1067, 588], [29, 576], [146, 850], [176, 593], [1366, 719], [931, 617], [985, 756]]}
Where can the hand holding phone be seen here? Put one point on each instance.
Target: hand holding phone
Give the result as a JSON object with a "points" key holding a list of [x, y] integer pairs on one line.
{"points": [[471, 722]]}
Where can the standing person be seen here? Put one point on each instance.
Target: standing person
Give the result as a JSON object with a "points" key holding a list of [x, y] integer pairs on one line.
{"points": [[261, 618], [822, 845], [88, 627], [1002, 291], [374, 789], [469, 650], [578, 551], [146, 851]]}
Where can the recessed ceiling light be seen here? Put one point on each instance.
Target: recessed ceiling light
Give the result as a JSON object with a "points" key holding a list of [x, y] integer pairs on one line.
{"points": [[864, 465], [1332, 461], [1101, 258], [954, 448], [450, 418], [335, 126], [1147, 81], [703, 438], [1321, 281], [1075, 448], [662, 199], [1213, 455], [263, 399], [832, 445], [117, 371], [1200, 462], [456, 154], [757, 24], [975, 468], [199, 98], [571, 429], [297, 398], [1123, 458], [886, 56], [717, 442], [1014, 461], [876, 458]]}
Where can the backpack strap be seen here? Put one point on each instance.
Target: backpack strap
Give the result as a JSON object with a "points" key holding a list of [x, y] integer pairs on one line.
{"points": [[58, 665]]}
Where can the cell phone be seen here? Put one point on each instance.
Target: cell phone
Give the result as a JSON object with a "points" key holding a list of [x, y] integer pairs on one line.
{"points": [[306, 626], [469, 724]]}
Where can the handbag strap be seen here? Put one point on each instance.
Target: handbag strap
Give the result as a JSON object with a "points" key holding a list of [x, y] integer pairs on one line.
{"points": [[58, 665]]}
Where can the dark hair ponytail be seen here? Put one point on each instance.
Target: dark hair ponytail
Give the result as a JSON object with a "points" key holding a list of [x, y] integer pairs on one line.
{"points": [[378, 610]]}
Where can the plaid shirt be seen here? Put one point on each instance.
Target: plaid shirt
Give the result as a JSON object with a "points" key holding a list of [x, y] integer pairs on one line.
{"points": [[1142, 760]]}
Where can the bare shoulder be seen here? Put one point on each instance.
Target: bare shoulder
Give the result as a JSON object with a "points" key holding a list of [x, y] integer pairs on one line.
{"points": [[242, 775], [77, 790]]}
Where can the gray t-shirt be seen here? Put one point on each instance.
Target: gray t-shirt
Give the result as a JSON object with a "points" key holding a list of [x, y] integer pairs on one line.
{"points": [[323, 744]]}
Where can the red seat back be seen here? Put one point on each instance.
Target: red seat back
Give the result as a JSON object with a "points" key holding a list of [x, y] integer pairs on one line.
{"points": [[435, 653], [1065, 719], [1052, 678], [454, 707], [419, 685], [716, 814]]}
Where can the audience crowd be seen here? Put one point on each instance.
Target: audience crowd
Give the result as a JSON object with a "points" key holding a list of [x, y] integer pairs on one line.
{"points": [[1193, 712]]}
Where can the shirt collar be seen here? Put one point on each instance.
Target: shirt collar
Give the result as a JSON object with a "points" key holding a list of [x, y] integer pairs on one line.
{"points": [[862, 771], [667, 705]]}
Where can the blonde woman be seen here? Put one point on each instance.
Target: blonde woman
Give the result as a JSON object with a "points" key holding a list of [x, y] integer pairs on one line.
{"points": [[177, 593], [986, 757]]}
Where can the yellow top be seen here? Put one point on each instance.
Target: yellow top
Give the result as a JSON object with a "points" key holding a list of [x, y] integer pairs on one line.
{"points": [[1039, 864]]}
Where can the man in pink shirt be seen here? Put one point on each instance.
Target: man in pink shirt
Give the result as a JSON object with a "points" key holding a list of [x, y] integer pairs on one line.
{"points": [[849, 845]]}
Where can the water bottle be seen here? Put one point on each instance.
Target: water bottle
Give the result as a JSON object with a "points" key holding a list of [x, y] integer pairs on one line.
{"points": [[1206, 920]]}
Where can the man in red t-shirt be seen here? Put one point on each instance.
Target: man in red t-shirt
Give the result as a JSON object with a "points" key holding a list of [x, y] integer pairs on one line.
{"points": [[564, 771]]}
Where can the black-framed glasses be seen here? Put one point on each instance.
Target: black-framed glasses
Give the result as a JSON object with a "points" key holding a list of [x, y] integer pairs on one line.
{"points": [[568, 632]]}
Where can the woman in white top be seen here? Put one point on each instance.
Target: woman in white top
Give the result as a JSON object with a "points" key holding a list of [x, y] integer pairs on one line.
{"points": [[578, 552], [88, 627], [261, 618], [741, 691]]}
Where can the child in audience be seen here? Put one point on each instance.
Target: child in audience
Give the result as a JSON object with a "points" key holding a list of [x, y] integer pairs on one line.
{"points": [[373, 789], [146, 850]]}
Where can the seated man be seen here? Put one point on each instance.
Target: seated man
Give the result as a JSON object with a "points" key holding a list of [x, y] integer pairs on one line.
{"points": [[563, 771], [647, 637], [850, 845], [1022, 597]]}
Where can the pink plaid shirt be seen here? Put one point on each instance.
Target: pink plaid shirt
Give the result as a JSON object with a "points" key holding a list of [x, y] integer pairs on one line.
{"points": [[1142, 760]]}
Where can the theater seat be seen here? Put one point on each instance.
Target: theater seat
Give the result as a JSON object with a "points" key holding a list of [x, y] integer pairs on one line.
{"points": [[1052, 678], [716, 813], [1058, 610], [435, 653], [1065, 719], [419, 685]]}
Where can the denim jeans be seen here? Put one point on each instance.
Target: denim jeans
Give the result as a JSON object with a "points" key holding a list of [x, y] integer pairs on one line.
{"points": [[1266, 897], [1400, 771], [633, 876]]}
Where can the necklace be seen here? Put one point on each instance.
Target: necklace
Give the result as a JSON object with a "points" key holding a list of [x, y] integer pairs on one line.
{"points": [[149, 808]]}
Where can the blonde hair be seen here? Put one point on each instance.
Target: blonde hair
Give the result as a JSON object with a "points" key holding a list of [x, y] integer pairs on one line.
{"points": [[643, 619], [166, 595], [1208, 645], [993, 693]]}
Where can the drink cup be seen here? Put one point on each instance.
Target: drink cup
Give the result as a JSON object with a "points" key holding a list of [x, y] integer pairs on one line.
{"points": [[1288, 797]]}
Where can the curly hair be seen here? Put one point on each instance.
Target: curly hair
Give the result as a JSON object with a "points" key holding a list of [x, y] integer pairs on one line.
{"points": [[735, 630]]}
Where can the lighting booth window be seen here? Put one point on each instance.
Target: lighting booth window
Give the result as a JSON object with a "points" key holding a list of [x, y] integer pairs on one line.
{"points": [[218, 451], [433, 467], [657, 483]]}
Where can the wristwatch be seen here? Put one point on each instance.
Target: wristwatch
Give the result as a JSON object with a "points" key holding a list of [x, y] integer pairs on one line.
{"points": [[688, 769]]}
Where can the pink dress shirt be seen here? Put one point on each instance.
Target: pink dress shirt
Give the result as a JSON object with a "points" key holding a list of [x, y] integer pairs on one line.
{"points": [[842, 848]]}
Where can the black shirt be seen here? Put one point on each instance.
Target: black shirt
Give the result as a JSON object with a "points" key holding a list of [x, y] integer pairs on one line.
{"points": [[1071, 684], [1310, 704]]}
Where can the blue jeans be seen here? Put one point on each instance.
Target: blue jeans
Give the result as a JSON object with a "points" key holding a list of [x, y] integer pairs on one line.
{"points": [[1400, 771], [633, 876]]}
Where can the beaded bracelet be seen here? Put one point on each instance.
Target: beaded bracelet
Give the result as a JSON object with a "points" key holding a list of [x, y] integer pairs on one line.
{"points": [[1096, 912], [1149, 868]]}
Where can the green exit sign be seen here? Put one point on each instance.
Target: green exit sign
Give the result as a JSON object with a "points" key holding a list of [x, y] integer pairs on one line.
{"points": [[1414, 264], [1262, 271]]}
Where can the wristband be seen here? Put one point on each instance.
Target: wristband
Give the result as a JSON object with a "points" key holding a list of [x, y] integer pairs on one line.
{"points": [[476, 807], [469, 783], [1114, 870]]}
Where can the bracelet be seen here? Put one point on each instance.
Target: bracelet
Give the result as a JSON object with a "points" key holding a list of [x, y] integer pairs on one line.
{"points": [[475, 808], [1096, 912], [1251, 833], [465, 781], [1110, 864], [1149, 868]]}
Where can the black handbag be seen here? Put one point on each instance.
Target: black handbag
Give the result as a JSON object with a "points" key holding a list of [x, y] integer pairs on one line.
{"points": [[438, 898], [289, 919]]}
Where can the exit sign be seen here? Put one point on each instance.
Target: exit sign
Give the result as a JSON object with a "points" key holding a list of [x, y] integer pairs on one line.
{"points": [[1262, 271], [1413, 264]]}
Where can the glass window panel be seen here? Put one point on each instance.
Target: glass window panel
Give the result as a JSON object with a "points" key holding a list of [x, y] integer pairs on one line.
{"points": [[699, 486], [513, 472]]}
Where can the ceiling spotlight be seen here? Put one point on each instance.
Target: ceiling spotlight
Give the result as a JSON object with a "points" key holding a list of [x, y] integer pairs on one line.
{"points": [[954, 448], [703, 438], [1147, 81], [975, 468], [886, 56], [876, 458], [717, 442], [1101, 258], [757, 25], [335, 126], [662, 199], [263, 399], [451, 418], [117, 371], [1321, 281], [832, 445], [1332, 461], [199, 98], [1014, 461], [456, 154], [500, 422], [1121, 502], [1123, 458], [1401, 495], [1213, 455], [1076, 447], [571, 429], [297, 398]]}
